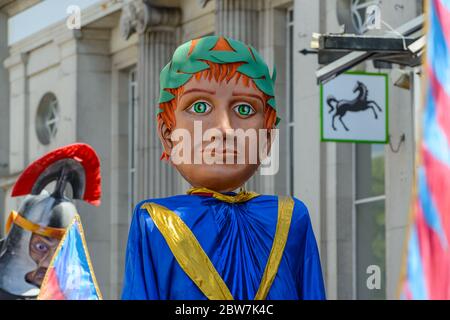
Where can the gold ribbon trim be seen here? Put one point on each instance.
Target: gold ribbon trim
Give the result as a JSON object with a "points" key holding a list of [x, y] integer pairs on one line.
{"points": [[20, 221], [196, 263], [188, 252], [242, 196], [285, 208]]}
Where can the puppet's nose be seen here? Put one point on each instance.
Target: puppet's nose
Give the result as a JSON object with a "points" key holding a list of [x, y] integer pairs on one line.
{"points": [[44, 262], [223, 121]]}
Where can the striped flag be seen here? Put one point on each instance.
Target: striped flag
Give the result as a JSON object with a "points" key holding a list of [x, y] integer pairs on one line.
{"points": [[427, 265], [70, 275]]}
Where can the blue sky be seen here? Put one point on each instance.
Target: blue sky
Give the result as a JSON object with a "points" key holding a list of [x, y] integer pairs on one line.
{"points": [[41, 16]]}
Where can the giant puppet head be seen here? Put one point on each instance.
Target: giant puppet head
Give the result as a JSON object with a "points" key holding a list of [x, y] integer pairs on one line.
{"points": [[37, 228], [220, 89]]}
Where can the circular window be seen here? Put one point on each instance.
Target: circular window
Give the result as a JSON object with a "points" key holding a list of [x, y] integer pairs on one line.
{"points": [[47, 118]]}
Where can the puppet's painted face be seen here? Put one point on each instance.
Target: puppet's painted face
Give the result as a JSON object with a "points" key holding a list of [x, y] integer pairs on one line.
{"points": [[223, 106], [42, 250]]}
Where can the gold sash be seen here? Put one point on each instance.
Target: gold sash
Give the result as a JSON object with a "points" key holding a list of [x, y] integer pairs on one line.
{"points": [[196, 263]]}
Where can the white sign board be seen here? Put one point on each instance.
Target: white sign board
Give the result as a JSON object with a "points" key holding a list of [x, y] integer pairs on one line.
{"points": [[354, 108]]}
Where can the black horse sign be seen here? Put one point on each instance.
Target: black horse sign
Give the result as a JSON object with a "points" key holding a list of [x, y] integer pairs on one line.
{"points": [[360, 103], [354, 108]]}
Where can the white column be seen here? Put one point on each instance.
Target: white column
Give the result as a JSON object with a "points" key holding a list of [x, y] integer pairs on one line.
{"points": [[4, 115], [399, 166], [322, 171], [308, 149], [4, 94], [94, 117], [239, 19], [157, 41], [18, 97], [13, 124], [85, 68]]}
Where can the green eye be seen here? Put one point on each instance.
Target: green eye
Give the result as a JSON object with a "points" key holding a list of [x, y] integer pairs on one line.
{"points": [[199, 107], [244, 110]]}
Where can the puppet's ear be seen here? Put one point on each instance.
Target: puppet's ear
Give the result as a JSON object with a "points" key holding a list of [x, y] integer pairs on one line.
{"points": [[164, 134]]}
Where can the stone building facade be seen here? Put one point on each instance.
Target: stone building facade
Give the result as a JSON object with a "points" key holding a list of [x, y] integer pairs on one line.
{"points": [[99, 84]]}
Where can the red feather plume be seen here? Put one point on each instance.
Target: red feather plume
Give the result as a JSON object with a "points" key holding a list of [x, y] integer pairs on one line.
{"points": [[81, 152]]}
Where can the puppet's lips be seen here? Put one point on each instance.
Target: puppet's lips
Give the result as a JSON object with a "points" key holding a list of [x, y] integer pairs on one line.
{"points": [[221, 152]]}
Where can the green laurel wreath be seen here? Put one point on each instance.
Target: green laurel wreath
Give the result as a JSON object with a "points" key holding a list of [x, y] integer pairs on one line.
{"points": [[184, 65]]}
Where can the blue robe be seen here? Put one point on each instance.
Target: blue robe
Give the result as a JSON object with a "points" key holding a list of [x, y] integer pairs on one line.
{"points": [[237, 237]]}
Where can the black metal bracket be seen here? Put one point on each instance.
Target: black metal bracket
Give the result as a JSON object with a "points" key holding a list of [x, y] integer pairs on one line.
{"points": [[403, 46], [364, 43], [308, 51]]}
